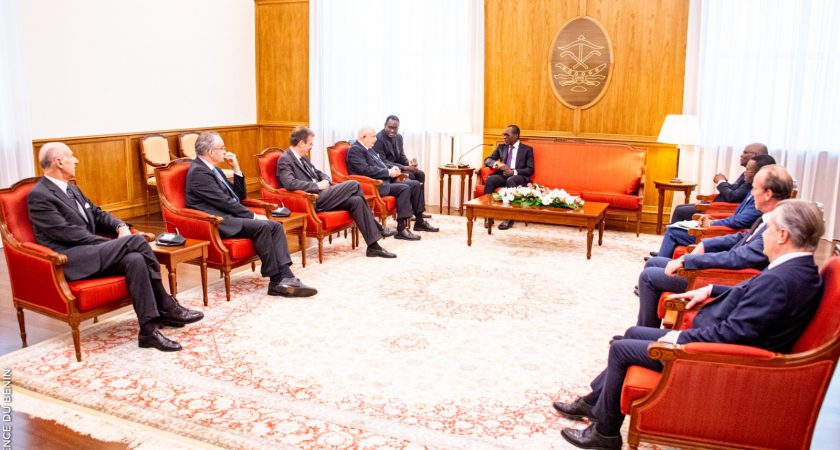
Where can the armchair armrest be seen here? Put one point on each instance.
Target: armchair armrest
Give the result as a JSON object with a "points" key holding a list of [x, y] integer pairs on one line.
{"points": [[710, 352], [718, 207], [712, 231], [705, 198], [258, 206], [725, 277]]}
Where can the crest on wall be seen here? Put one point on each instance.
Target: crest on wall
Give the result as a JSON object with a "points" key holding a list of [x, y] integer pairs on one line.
{"points": [[580, 62]]}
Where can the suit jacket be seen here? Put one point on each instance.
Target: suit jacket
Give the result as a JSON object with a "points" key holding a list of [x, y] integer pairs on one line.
{"points": [[524, 164], [391, 154], [292, 175], [57, 224], [745, 215], [733, 192], [731, 251], [205, 192], [361, 161], [770, 310]]}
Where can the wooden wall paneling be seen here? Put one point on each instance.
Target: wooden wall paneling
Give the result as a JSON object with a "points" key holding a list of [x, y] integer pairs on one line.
{"points": [[244, 142], [282, 59]]}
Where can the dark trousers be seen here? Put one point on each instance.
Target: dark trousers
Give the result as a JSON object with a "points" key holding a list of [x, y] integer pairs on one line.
{"points": [[683, 212], [673, 238], [348, 196], [606, 387], [269, 243], [417, 175], [409, 194], [652, 283], [132, 257], [498, 180]]}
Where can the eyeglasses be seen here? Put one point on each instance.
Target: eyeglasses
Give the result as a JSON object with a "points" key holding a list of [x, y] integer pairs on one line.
{"points": [[224, 149]]}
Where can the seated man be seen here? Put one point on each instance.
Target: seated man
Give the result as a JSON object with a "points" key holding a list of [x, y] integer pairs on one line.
{"points": [[66, 221], [745, 215], [769, 311], [208, 190], [389, 147], [515, 162], [363, 160], [296, 173], [743, 250], [727, 192]]}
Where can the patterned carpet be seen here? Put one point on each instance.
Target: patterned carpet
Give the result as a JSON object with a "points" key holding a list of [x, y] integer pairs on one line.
{"points": [[447, 346]]}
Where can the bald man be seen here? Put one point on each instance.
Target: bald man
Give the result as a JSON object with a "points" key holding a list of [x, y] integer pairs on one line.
{"points": [[66, 221], [363, 160]]}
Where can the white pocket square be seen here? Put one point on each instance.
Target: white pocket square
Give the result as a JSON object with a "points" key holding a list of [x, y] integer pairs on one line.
{"points": [[87, 205]]}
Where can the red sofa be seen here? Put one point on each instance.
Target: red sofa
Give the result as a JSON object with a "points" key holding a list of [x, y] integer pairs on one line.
{"points": [[608, 173]]}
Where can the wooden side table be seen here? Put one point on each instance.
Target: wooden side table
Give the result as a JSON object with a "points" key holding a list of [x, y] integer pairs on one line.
{"points": [[449, 171], [295, 224], [667, 185], [191, 250]]}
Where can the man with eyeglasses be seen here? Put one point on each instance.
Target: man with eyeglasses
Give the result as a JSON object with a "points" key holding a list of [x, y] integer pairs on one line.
{"points": [[734, 192], [208, 190]]}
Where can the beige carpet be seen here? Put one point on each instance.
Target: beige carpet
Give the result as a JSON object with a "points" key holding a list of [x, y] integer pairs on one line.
{"points": [[447, 346]]}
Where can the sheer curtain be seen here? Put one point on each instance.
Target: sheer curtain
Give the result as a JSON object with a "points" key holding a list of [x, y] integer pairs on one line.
{"points": [[766, 71], [420, 60], [15, 130]]}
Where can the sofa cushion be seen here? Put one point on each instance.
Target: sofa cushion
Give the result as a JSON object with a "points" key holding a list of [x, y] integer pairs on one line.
{"points": [[637, 383], [95, 292], [239, 248], [622, 201], [633, 187], [331, 220], [607, 168]]}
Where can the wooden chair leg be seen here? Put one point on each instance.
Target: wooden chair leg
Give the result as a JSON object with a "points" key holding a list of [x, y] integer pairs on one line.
{"points": [[638, 223], [22, 326], [320, 250], [329, 238], [95, 319], [254, 266], [227, 284], [355, 237], [148, 200], [77, 343]]}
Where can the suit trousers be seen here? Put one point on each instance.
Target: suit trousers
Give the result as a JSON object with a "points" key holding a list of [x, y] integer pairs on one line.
{"points": [[348, 196], [269, 243], [409, 194], [673, 238], [606, 387], [684, 212], [417, 175], [652, 283], [132, 257], [498, 180]]}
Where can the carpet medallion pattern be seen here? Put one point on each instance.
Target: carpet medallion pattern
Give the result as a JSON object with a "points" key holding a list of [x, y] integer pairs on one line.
{"points": [[447, 346]]}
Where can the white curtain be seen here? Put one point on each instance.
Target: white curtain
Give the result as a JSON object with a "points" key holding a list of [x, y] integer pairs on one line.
{"points": [[766, 71], [420, 60], [15, 130]]}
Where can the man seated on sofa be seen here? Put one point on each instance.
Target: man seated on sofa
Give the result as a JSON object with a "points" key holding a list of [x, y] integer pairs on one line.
{"points": [[208, 190], [727, 192], [515, 163], [743, 250], [769, 311], [67, 222], [363, 160], [744, 216], [296, 173]]}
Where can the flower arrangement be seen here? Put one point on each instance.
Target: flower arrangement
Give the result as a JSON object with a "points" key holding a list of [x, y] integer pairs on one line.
{"points": [[536, 195]]}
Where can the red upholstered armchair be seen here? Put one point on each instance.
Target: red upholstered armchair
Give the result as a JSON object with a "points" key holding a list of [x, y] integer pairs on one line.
{"points": [[223, 254], [37, 276], [734, 396], [319, 224], [383, 206]]}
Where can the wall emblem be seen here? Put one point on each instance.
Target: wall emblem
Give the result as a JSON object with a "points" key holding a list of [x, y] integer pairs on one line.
{"points": [[580, 62]]}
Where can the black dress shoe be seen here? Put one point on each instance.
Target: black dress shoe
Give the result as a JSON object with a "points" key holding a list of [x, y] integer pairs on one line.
{"points": [[158, 341], [291, 287], [380, 252], [647, 258], [636, 291], [406, 235], [590, 438], [506, 225], [425, 226], [387, 232], [179, 316], [576, 410], [654, 253], [617, 337], [427, 216]]}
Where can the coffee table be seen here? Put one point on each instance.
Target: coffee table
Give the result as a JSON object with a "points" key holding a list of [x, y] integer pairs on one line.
{"points": [[590, 216]]}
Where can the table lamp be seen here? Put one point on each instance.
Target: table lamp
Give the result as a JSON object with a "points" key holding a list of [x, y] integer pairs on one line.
{"points": [[454, 123], [681, 130]]}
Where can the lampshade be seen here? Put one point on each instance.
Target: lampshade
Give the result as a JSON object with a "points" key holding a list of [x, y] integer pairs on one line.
{"points": [[679, 129], [453, 122]]}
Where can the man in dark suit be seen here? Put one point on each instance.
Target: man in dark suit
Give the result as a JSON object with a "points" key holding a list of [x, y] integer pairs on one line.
{"points": [[769, 311], [515, 162], [745, 215], [743, 250], [296, 173], [727, 192], [363, 160], [389, 147], [66, 221], [208, 190]]}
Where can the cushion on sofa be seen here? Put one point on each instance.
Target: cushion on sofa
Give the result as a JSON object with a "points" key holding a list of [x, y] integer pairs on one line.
{"points": [[622, 201], [606, 168]]}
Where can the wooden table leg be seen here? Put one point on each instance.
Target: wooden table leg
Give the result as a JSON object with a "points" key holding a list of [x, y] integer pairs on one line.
{"points": [[441, 191], [448, 194], [589, 236], [601, 230], [469, 187], [461, 205], [659, 209], [469, 227], [204, 274], [173, 283], [687, 193], [302, 243]]}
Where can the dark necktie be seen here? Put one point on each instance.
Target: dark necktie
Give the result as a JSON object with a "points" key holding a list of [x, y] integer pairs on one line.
{"points": [[756, 225], [509, 155], [309, 170], [376, 157], [224, 182], [78, 203]]}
